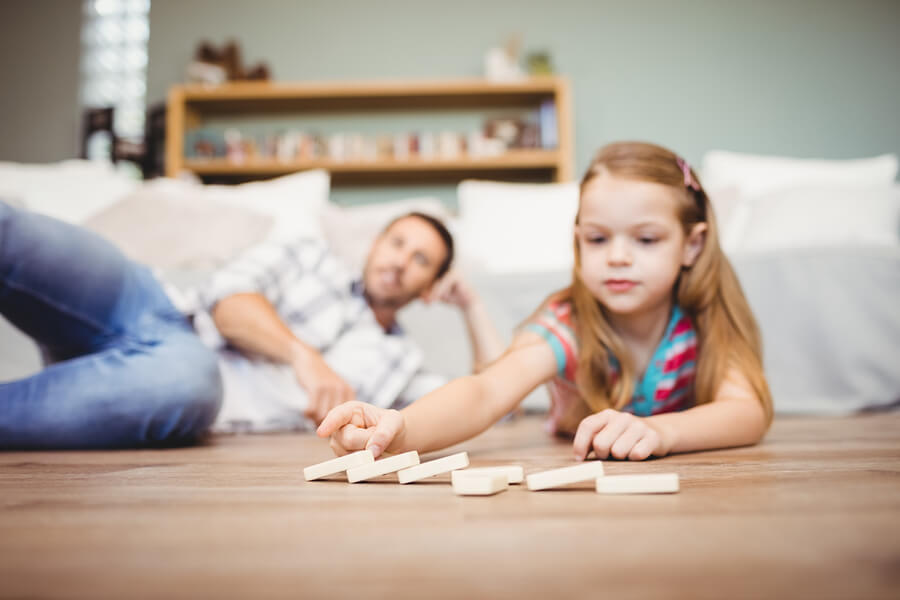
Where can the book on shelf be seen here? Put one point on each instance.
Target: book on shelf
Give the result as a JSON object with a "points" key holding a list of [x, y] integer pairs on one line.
{"points": [[549, 132]]}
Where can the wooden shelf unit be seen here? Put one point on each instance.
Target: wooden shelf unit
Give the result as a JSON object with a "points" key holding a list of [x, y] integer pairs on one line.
{"points": [[190, 105]]}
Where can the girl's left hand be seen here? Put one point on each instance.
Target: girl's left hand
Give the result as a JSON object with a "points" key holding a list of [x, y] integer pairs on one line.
{"points": [[617, 434]]}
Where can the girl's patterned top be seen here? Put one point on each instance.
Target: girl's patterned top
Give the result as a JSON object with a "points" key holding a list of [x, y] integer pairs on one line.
{"points": [[666, 385]]}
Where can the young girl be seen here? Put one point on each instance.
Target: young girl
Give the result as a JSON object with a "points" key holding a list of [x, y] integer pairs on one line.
{"points": [[652, 349]]}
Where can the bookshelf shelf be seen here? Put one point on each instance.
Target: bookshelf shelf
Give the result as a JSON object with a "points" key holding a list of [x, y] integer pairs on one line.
{"points": [[190, 106]]}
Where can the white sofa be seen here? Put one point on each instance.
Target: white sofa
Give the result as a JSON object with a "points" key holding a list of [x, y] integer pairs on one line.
{"points": [[819, 261]]}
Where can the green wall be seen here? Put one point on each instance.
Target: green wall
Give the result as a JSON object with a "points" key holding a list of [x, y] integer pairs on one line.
{"points": [[802, 78], [815, 78]]}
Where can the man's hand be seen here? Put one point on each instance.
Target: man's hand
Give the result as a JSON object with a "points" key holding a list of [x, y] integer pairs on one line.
{"points": [[357, 426], [487, 345], [324, 387], [618, 434], [452, 289]]}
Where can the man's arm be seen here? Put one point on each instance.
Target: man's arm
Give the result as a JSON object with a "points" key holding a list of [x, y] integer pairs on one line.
{"points": [[241, 300], [486, 342], [250, 323]]}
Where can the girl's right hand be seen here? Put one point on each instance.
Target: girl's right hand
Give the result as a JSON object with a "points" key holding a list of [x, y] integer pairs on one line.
{"points": [[358, 425]]}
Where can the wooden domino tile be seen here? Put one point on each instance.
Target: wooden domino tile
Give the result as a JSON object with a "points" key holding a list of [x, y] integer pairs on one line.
{"points": [[480, 485], [514, 473], [336, 465], [383, 466], [656, 483], [564, 476], [434, 467]]}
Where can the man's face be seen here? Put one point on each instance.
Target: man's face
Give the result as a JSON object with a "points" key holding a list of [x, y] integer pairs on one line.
{"points": [[403, 262]]}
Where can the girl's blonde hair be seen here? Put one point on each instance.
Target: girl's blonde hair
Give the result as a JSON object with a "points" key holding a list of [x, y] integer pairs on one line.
{"points": [[708, 292]]}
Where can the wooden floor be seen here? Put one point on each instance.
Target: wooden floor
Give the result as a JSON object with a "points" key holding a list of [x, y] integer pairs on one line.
{"points": [[813, 512]]}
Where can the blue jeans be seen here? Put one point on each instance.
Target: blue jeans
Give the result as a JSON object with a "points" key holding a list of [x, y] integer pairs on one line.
{"points": [[123, 368]]}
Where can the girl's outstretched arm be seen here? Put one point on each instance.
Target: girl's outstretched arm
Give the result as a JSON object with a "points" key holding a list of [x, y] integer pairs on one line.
{"points": [[451, 414]]}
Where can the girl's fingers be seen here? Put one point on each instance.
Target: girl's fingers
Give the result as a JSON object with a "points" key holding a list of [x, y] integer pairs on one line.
{"points": [[386, 430], [358, 418], [336, 401], [622, 446], [351, 438], [339, 416], [336, 448], [604, 440], [645, 447], [587, 429]]}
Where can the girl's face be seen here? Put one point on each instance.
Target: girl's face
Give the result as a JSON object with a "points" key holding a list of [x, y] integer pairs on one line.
{"points": [[632, 243]]}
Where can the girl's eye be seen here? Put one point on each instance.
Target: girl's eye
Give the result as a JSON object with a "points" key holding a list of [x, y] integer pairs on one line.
{"points": [[647, 240], [595, 239]]}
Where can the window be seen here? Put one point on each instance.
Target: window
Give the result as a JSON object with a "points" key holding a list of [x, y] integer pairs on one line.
{"points": [[114, 61]]}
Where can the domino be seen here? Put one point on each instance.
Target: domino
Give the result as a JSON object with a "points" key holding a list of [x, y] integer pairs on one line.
{"points": [[514, 473], [660, 483], [383, 466], [336, 465], [480, 485], [434, 467], [564, 476]]}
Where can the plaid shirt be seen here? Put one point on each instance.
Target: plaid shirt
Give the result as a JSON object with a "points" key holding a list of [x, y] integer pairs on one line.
{"points": [[323, 305]]}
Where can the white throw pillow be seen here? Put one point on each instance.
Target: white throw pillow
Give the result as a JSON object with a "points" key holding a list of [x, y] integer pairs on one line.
{"points": [[183, 224], [350, 230], [727, 206], [754, 174], [819, 217], [517, 227], [167, 225], [71, 190]]}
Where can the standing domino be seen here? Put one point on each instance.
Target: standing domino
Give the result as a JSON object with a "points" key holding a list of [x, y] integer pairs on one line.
{"points": [[383, 466], [661, 483], [564, 476], [434, 467], [514, 473], [336, 465], [479, 485]]}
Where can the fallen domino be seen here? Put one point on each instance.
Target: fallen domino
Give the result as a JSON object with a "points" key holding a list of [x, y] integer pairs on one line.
{"points": [[660, 483], [383, 466], [434, 467], [514, 473], [479, 485], [336, 465], [564, 476]]}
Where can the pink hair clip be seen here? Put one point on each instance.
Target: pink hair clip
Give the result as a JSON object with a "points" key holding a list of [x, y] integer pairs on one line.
{"points": [[689, 180]]}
